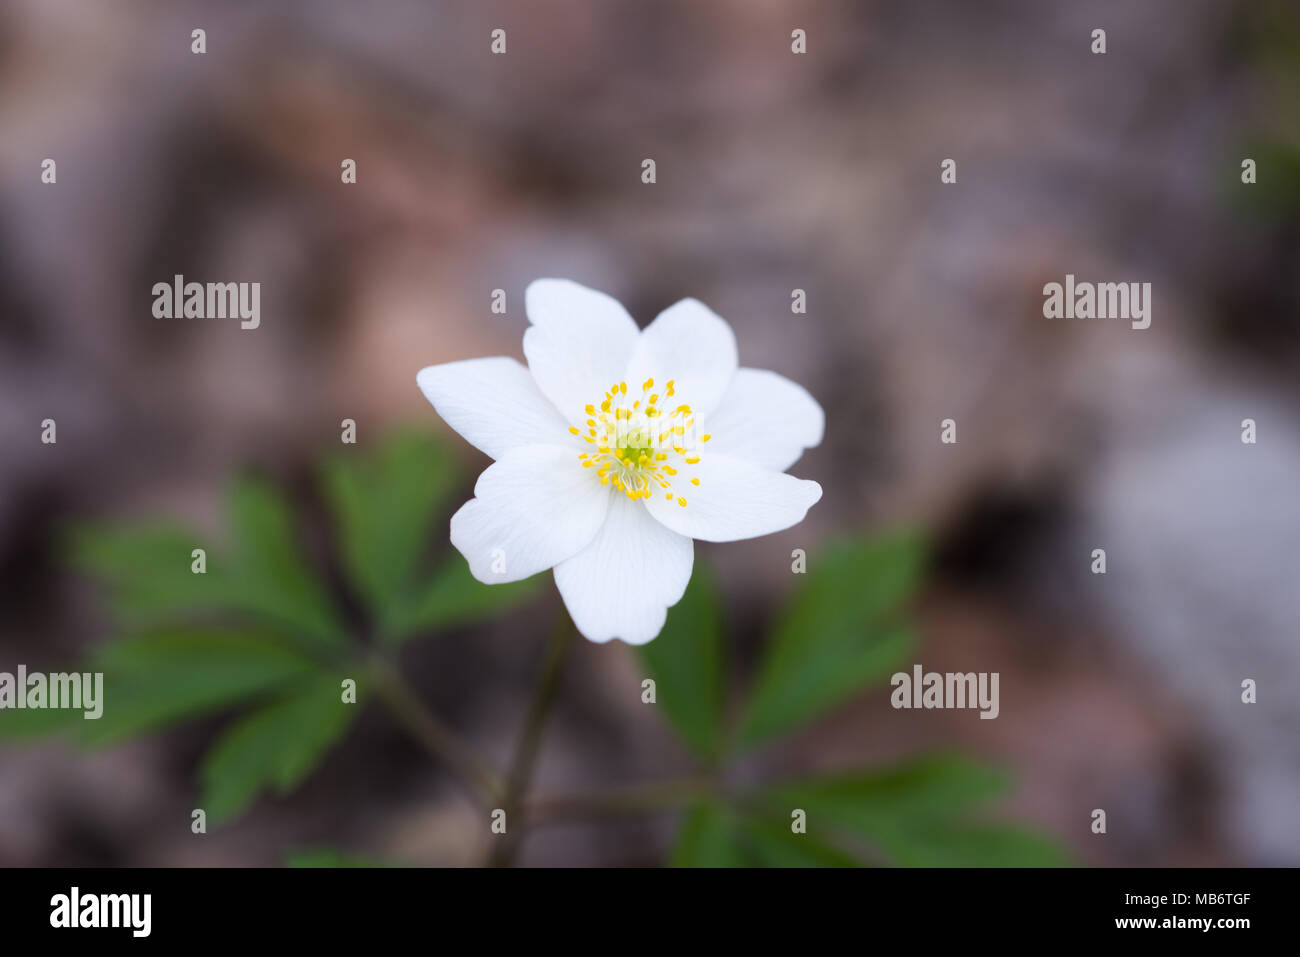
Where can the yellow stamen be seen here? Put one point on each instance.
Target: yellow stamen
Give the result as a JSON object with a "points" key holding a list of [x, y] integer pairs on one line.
{"points": [[630, 454]]}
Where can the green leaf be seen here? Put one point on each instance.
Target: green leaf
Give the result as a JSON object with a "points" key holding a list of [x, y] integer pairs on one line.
{"points": [[25, 725], [975, 844], [454, 597], [384, 507], [274, 748], [270, 575], [843, 630], [773, 844], [918, 789], [330, 857], [686, 661], [918, 813], [712, 835], [160, 678], [147, 570], [707, 838]]}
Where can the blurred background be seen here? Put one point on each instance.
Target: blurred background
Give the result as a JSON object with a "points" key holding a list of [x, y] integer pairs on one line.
{"points": [[775, 171]]}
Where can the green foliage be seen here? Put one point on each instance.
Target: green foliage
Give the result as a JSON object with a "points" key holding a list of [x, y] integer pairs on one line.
{"points": [[686, 660], [843, 630], [270, 576], [918, 813], [275, 747], [146, 569], [384, 508], [261, 637], [159, 678], [714, 835], [707, 838], [259, 633]]}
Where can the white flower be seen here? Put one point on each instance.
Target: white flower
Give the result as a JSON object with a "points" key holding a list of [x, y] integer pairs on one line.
{"points": [[615, 448]]}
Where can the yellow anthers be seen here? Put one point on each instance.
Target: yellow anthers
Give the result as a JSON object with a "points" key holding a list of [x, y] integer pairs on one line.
{"points": [[705, 437], [630, 454]]}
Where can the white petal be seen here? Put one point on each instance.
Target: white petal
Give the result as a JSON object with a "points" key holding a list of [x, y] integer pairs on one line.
{"points": [[494, 403], [533, 508], [578, 345], [735, 499], [623, 583], [694, 347], [765, 418]]}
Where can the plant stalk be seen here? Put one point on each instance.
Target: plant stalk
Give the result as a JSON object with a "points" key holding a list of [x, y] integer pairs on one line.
{"points": [[506, 847], [483, 782]]}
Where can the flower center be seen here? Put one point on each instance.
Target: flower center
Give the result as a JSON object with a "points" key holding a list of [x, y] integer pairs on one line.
{"points": [[642, 445]]}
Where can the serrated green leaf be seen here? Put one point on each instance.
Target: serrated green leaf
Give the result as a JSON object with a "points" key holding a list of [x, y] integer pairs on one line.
{"points": [[164, 677], [686, 661], [269, 573], [842, 630], [384, 508], [275, 747], [455, 597], [147, 570], [920, 789], [918, 813]]}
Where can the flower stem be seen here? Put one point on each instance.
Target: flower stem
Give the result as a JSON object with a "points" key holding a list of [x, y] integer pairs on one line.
{"points": [[520, 775], [483, 783]]}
